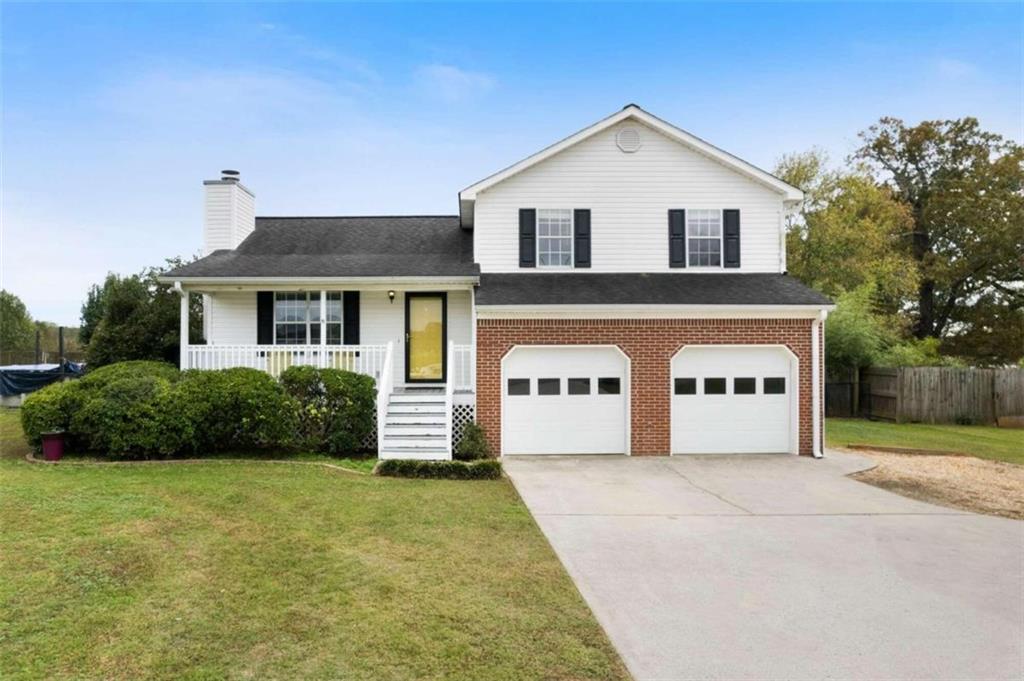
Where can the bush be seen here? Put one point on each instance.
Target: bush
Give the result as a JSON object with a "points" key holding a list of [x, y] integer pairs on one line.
{"points": [[100, 377], [196, 409], [473, 445], [49, 409], [256, 411], [487, 469], [126, 419], [337, 409]]}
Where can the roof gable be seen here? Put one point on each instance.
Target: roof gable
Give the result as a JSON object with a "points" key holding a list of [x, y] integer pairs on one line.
{"points": [[467, 196]]}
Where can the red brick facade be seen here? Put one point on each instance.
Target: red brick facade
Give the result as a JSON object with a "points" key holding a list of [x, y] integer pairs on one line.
{"points": [[650, 344]]}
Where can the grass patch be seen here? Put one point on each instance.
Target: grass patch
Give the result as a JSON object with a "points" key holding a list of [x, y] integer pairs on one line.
{"points": [[985, 442], [267, 571]]}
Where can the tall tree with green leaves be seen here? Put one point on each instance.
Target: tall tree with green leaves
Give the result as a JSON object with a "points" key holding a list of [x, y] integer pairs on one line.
{"points": [[964, 188], [17, 331], [138, 318], [846, 232]]}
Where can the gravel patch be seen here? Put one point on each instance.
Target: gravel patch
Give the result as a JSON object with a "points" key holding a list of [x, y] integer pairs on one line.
{"points": [[963, 482]]}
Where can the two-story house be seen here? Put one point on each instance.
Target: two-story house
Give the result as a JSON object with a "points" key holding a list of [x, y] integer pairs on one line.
{"points": [[623, 291]]}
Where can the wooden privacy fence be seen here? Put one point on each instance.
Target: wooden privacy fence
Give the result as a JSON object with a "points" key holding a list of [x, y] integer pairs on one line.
{"points": [[934, 394]]}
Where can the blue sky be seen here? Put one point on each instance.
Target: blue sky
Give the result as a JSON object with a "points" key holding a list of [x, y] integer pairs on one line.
{"points": [[114, 114]]}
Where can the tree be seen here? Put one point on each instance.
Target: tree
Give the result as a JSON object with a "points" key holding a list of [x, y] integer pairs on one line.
{"points": [[17, 332], [846, 232], [963, 187], [92, 308], [138, 318]]}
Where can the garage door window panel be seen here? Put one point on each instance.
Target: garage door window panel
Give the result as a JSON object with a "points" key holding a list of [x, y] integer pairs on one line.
{"points": [[548, 386], [744, 386], [685, 386], [579, 386], [775, 386], [608, 386], [714, 386], [518, 386]]}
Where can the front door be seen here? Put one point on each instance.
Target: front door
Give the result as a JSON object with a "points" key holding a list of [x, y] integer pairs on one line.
{"points": [[426, 334]]}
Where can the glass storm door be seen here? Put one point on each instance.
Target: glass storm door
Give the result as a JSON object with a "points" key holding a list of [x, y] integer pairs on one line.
{"points": [[426, 319]]}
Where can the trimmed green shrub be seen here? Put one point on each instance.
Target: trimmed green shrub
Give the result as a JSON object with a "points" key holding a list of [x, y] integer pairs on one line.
{"points": [[195, 410], [125, 419], [50, 409], [485, 469], [337, 408], [257, 411], [100, 377], [473, 445]]}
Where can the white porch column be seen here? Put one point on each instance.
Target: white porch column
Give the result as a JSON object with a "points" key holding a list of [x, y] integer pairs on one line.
{"points": [[183, 330], [323, 329]]}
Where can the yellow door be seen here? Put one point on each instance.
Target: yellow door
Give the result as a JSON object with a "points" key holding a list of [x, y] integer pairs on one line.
{"points": [[425, 320]]}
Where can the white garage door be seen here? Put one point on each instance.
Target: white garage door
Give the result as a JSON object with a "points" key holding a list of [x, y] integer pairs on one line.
{"points": [[564, 400], [733, 399]]}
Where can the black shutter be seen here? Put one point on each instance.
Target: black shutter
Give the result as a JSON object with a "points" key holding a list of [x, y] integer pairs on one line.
{"points": [[731, 232], [265, 317], [677, 238], [581, 235], [527, 237], [350, 317]]}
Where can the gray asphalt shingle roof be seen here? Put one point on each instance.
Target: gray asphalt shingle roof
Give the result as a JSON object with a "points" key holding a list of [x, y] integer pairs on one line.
{"points": [[344, 247], [669, 288]]}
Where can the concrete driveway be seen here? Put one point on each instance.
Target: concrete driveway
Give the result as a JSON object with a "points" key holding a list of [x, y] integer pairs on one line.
{"points": [[779, 567]]}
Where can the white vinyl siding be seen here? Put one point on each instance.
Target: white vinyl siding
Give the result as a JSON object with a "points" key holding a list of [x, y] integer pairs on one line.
{"points": [[232, 318], [629, 196], [229, 216]]}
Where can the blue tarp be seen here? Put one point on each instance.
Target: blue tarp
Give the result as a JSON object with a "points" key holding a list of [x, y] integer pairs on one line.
{"points": [[25, 378]]}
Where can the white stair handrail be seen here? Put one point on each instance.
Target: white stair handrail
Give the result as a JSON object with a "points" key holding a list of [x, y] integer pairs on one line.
{"points": [[385, 384], [449, 390]]}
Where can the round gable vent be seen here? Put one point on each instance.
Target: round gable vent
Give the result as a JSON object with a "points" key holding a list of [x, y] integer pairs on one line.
{"points": [[628, 140]]}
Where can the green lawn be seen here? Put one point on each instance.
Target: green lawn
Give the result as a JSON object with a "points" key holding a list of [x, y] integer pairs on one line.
{"points": [[986, 442], [268, 571]]}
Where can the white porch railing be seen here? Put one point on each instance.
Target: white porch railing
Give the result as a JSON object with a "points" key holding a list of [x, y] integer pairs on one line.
{"points": [[362, 359], [462, 368], [385, 384]]}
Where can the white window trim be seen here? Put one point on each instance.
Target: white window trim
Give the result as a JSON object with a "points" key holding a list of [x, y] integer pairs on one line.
{"points": [[721, 241], [572, 240], [308, 322]]}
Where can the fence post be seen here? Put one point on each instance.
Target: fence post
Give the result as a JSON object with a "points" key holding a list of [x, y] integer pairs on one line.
{"points": [[39, 349]]}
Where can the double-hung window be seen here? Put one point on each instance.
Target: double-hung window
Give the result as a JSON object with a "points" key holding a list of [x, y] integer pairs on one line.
{"points": [[297, 318], [554, 237], [704, 238]]}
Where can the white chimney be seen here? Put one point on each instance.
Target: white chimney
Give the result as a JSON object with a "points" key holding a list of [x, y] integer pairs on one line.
{"points": [[229, 212]]}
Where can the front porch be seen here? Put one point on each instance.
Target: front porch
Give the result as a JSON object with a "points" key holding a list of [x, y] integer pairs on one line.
{"points": [[417, 345]]}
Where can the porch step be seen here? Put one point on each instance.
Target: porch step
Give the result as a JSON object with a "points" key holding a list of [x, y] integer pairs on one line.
{"points": [[420, 408], [423, 453], [415, 420], [417, 397], [402, 429]]}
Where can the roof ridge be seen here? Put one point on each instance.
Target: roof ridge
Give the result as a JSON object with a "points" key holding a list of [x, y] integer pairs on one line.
{"points": [[347, 217]]}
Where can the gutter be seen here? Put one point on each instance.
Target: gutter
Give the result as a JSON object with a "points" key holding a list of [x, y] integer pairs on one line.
{"points": [[817, 418]]}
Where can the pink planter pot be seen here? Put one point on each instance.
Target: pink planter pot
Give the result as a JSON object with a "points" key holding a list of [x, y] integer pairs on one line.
{"points": [[53, 446]]}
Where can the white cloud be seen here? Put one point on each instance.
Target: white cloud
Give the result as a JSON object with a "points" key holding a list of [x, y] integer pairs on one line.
{"points": [[451, 83]]}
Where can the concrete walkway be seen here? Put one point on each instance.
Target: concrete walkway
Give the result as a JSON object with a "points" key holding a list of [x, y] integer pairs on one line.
{"points": [[780, 567]]}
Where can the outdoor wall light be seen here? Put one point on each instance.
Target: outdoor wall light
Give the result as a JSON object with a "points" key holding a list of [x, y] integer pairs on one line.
{"points": [[391, 296]]}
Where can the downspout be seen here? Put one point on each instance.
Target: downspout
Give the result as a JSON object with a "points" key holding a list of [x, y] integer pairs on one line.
{"points": [[817, 421]]}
